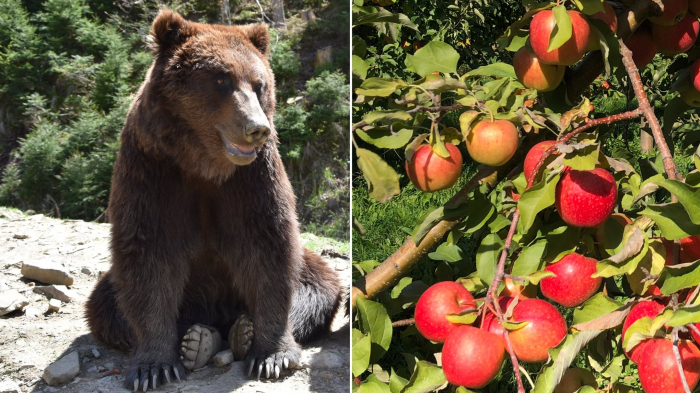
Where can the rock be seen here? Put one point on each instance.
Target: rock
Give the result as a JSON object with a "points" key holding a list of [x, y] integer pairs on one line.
{"points": [[12, 387], [31, 212], [93, 369], [223, 358], [47, 272], [32, 312], [59, 292], [62, 370], [326, 360], [54, 305], [12, 300], [20, 237], [96, 354], [89, 273], [26, 366]]}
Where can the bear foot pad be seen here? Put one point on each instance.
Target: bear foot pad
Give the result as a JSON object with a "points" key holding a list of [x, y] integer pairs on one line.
{"points": [[199, 345], [240, 337], [143, 376]]}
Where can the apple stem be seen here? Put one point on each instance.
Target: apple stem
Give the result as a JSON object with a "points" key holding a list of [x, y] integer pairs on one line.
{"points": [[669, 165], [676, 352]]}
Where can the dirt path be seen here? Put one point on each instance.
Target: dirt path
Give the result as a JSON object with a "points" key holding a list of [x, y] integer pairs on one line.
{"points": [[33, 338]]}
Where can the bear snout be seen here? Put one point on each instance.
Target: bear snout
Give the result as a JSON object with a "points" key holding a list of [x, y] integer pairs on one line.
{"points": [[257, 133]]}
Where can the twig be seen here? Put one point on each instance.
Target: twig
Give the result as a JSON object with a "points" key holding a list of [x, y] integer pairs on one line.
{"points": [[404, 322], [676, 352]]}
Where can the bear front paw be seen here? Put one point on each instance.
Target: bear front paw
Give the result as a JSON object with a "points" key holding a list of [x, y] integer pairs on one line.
{"points": [[274, 363], [141, 376]]}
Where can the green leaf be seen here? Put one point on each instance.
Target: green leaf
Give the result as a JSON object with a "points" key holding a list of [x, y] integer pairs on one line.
{"points": [[435, 56], [635, 245], [637, 332], [487, 256], [430, 220], [368, 266], [375, 321], [672, 111], [383, 116], [373, 385], [379, 87], [465, 121], [577, 113], [535, 277], [396, 382], [590, 7], [361, 347], [414, 145], [562, 357], [562, 30], [447, 252], [440, 84], [479, 210], [672, 219], [684, 316], [608, 321], [426, 377], [385, 139], [534, 200], [463, 318], [609, 45], [530, 259], [510, 326], [403, 283], [561, 241], [687, 195], [382, 15], [499, 70], [594, 308], [583, 159], [359, 67], [675, 278], [382, 180]]}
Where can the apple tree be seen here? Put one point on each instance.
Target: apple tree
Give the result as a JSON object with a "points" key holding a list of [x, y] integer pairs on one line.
{"points": [[585, 270]]}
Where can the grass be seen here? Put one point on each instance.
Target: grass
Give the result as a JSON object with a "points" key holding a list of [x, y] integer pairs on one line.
{"points": [[319, 243]]}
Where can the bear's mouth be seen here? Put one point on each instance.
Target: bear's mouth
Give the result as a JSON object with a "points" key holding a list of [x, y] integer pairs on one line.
{"points": [[238, 150]]}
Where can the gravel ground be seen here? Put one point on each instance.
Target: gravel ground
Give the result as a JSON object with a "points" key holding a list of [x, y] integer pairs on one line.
{"points": [[33, 338]]}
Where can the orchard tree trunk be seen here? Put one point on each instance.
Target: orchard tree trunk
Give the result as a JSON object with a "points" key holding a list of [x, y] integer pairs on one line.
{"points": [[225, 12], [278, 16], [646, 140]]}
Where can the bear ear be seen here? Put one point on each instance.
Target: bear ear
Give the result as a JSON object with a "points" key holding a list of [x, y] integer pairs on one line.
{"points": [[168, 30], [259, 36]]}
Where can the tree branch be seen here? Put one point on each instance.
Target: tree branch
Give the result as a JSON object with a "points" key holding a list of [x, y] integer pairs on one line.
{"points": [[676, 352]]}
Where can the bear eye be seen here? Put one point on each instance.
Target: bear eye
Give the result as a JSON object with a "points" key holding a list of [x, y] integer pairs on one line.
{"points": [[221, 81]]}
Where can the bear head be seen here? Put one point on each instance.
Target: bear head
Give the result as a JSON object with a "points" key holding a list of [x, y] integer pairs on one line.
{"points": [[216, 83]]}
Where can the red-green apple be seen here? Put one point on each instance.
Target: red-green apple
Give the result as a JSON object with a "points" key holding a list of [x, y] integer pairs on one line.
{"points": [[435, 303], [586, 198], [672, 40], [658, 368], [535, 155], [691, 97], [515, 289], [642, 45], [574, 379], [674, 11], [610, 18], [429, 172], [492, 143], [649, 308], [572, 283], [545, 329], [472, 357], [695, 74], [534, 74], [573, 49]]}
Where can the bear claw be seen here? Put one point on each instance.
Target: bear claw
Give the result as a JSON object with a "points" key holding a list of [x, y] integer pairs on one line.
{"points": [[240, 337], [141, 377], [199, 345]]}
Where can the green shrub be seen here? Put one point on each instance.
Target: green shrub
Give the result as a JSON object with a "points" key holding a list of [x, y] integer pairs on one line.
{"points": [[283, 60], [328, 96]]}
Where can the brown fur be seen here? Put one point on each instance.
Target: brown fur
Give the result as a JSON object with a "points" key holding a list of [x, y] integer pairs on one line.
{"points": [[200, 235]]}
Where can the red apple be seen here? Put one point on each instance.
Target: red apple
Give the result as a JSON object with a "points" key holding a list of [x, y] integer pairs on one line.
{"points": [[694, 6], [534, 74], [490, 322], [429, 172], [674, 11], [443, 298], [658, 370], [573, 283], [574, 379], [649, 308], [492, 143], [610, 18], [586, 198], [695, 74], [642, 45], [691, 97], [535, 155], [572, 51], [514, 289], [690, 249], [605, 85], [472, 357], [545, 330], [672, 40]]}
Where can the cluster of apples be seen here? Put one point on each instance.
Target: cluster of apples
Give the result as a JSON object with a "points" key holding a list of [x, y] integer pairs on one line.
{"points": [[490, 142], [656, 362], [672, 33]]}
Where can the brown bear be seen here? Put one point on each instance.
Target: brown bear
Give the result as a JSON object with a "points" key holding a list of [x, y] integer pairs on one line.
{"points": [[204, 227]]}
